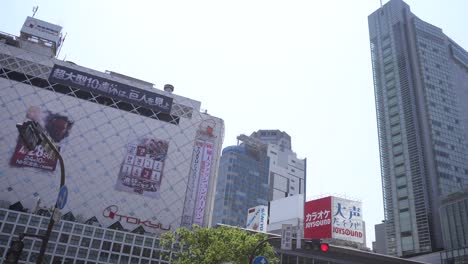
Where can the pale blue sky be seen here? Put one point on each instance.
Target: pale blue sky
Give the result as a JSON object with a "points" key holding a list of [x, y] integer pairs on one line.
{"points": [[299, 66]]}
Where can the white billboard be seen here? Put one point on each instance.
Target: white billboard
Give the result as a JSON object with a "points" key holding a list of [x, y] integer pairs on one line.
{"points": [[257, 218], [347, 221]]}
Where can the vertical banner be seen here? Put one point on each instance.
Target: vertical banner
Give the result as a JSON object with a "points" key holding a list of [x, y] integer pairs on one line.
{"points": [[190, 196], [347, 220], [286, 236], [202, 192], [318, 219], [142, 168]]}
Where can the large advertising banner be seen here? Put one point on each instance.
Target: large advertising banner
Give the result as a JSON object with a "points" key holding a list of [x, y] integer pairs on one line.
{"points": [[257, 218], [142, 168], [347, 220], [57, 127], [98, 85], [203, 184], [318, 219]]}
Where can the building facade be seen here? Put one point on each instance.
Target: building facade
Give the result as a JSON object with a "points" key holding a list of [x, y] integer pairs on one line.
{"points": [[420, 84], [379, 245], [137, 158], [287, 171], [454, 217]]}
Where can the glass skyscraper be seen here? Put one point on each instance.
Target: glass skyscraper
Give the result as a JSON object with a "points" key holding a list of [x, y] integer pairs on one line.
{"points": [[421, 92], [260, 169], [242, 182]]}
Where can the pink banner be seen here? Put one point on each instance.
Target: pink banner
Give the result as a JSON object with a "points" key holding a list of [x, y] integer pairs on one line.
{"points": [[203, 184]]}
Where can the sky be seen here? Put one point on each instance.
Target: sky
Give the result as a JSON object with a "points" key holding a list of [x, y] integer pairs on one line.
{"points": [[302, 67]]}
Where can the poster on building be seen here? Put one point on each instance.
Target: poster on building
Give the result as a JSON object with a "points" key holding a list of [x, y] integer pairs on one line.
{"points": [[257, 218], [318, 218], [141, 171], [347, 220], [203, 185], [57, 126]]}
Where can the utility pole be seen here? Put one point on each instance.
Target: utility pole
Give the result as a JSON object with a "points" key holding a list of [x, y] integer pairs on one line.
{"points": [[33, 135]]}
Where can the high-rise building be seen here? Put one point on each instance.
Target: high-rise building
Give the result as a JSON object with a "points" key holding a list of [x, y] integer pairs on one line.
{"points": [[260, 169], [139, 161], [242, 181], [286, 171], [421, 90]]}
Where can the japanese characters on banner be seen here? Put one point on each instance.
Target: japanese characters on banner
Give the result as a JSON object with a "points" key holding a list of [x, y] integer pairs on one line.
{"points": [[57, 127], [333, 217], [142, 168], [318, 218], [106, 87], [202, 192], [194, 175], [257, 218], [347, 220]]}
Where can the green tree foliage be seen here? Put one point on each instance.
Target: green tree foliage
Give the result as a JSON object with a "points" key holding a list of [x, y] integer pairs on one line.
{"points": [[215, 245]]}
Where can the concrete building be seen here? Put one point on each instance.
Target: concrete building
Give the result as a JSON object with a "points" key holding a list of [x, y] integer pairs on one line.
{"points": [[421, 86], [379, 245], [139, 161], [287, 172]]}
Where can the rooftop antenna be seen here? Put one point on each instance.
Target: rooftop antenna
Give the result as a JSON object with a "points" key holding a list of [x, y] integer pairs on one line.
{"points": [[35, 8], [61, 40]]}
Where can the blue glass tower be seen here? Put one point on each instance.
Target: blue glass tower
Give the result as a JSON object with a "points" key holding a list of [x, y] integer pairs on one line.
{"points": [[242, 182]]}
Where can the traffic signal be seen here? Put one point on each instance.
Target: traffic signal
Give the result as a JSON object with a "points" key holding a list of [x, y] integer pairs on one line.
{"points": [[324, 247], [14, 252], [317, 245]]}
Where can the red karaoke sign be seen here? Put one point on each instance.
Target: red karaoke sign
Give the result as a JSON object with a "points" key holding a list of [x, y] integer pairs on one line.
{"points": [[318, 219]]}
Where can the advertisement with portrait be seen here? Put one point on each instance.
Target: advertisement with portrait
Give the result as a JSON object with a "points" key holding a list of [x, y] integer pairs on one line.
{"points": [[141, 171], [318, 218], [347, 220], [57, 126]]}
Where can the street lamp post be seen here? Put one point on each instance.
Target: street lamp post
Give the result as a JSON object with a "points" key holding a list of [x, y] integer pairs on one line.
{"points": [[254, 251], [33, 135]]}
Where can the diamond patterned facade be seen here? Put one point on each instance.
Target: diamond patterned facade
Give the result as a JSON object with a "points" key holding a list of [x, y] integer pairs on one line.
{"points": [[101, 135]]}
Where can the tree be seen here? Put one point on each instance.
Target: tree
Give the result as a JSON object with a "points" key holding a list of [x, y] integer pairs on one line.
{"points": [[215, 245]]}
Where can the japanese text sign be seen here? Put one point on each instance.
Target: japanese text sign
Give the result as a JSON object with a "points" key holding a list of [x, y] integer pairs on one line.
{"points": [[347, 220], [98, 85], [317, 218]]}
